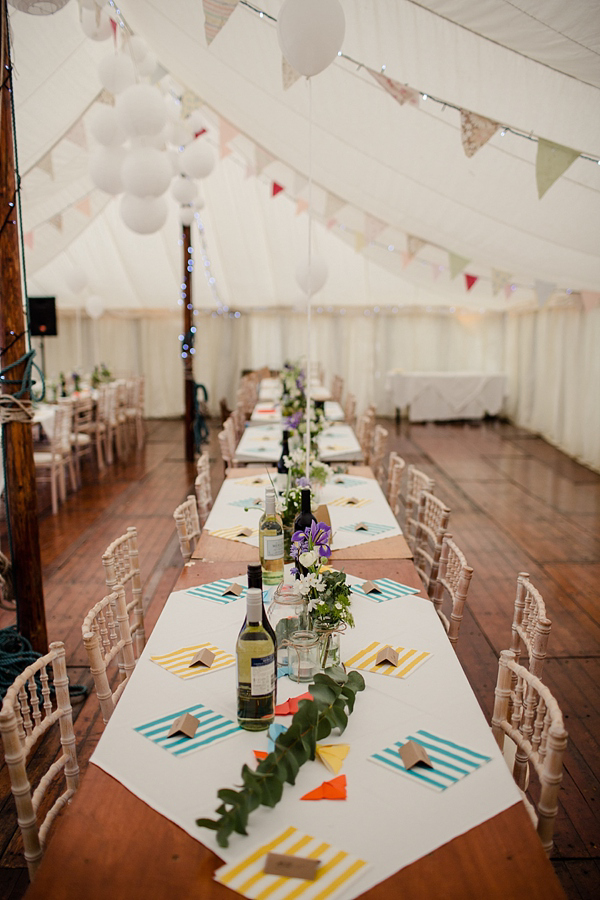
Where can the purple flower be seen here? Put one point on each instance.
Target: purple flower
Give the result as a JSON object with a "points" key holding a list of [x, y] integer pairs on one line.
{"points": [[292, 422], [302, 482]]}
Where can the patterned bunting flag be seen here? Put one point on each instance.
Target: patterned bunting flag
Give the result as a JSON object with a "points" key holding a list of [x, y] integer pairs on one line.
{"points": [[359, 241], [77, 134], [263, 159], [331, 223], [499, 280], [45, 164], [413, 244], [57, 221], [457, 263], [189, 102], [475, 131], [373, 227], [333, 205], [28, 239], [544, 290], [289, 76], [84, 206], [400, 92], [551, 162], [470, 280], [216, 15], [105, 97]]}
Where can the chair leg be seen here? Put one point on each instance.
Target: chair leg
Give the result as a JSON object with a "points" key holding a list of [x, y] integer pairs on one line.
{"points": [[53, 491]]}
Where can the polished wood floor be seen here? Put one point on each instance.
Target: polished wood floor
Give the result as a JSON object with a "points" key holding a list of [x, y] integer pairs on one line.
{"points": [[517, 505]]}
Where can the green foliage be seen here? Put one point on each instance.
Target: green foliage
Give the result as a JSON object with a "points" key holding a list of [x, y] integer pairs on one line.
{"points": [[332, 606], [334, 693]]}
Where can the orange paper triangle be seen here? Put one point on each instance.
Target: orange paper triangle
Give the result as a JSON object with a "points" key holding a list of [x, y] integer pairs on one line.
{"points": [[260, 755], [329, 790], [290, 707]]}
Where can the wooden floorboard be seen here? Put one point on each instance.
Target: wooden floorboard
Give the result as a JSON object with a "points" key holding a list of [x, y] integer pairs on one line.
{"points": [[518, 504]]}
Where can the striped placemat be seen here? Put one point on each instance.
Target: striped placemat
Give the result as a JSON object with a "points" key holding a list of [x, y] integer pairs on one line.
{"points": [[409, 660], [387, 590], [214, 591], [346, 481], [248, 503], [346, 501], [178, 662], [451, 762], [232, 534], [255, 479], [336, 872], [213, 728], [372, 528]]}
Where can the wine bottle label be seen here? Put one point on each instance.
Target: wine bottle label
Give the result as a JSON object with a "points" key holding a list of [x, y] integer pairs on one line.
{"points": [[262, 675], [273, 546]]}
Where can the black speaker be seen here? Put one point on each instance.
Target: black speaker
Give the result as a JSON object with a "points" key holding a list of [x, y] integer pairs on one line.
{"points": [[42, 316]]}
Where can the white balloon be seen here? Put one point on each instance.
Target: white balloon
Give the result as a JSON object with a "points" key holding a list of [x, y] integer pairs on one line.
{"points": [[186, 214], [146, 172], [137, 48], [105, 127], [195, 121], [184, 189], [197, 160], [140, 110], [94, 306], [92, 4], [318, 274], [96, 26], [179, 134], [310, 33], [76, 279], [116, 72], [144, 215], [148, 64], [105, 168], [175, 158]]}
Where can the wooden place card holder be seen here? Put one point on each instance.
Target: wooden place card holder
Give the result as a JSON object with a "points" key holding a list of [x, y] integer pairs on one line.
{"points": [[291, 866], [234, 589], [185, 724], [413, 753], [204, 657], [360, 526], [387, 654], [369, 587], [243, 532]]}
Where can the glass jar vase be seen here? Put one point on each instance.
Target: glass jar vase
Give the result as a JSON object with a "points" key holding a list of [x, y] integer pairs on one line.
{"points": [[329, 645], [287, 615], [304, 656]]}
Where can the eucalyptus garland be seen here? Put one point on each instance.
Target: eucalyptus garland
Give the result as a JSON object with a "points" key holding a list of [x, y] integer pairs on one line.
{"points": [[334, 693]]}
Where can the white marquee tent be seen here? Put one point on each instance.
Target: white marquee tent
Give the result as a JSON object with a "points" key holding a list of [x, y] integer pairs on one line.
{"points": [[435, 259]]}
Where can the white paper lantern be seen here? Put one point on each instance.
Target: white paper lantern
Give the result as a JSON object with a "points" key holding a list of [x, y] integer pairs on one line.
{"points": [[318, 274], [147, 65], [76, 279], [186, 214], [146, 172], [140, 110], [105, 168], [144, 215], [184, 189], [174, 157], [38, 7], [197, 160], [116, 72], [96, 25], [195, 122], [94, 306], [310, 33], [179, 134], [137, 48], [92, 4], [199, 202], [105, 127]]}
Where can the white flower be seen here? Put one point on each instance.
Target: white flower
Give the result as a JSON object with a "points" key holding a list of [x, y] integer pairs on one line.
{"points": [[338, 605], [308, 559]]}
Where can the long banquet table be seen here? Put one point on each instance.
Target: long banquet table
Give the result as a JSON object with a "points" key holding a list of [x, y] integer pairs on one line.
{"points": [[337, 443], [441, 396]]}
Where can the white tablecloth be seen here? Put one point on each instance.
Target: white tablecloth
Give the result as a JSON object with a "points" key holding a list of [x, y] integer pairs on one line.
{"points": [[262, 443], [271, 412], [439, 396], [405, 820]]}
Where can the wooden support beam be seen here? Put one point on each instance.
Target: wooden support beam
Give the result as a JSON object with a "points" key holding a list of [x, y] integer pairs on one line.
{"points": [[188, 361], [20, 488]]}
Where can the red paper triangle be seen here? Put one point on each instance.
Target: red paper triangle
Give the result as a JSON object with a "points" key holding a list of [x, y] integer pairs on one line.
{"points": [[260, 754], [290, 707], [329, 790], [470, 280], [276, 189]]}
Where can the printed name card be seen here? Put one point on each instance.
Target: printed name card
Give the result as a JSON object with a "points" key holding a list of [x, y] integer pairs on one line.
{"points": [[413, 753], [361, 526], [204, 657], [291, 866], [387, 654], [234, 589], [369, 587], [185, 724]]}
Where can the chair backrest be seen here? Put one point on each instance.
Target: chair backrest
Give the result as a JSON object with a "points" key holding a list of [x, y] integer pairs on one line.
{"points": [[188, 526], [416, 481], [396, 466], [427, 531], [63, 427], [337, 388], [365, 426], [83, 414], [107, 638], [452, 584], [380, 439], [202, 487], [531, 626], [350, 408], [122, 567], [225, 448], [526, 712], [28, 712]]}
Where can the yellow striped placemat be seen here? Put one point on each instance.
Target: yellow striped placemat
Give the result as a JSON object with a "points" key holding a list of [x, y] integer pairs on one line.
{"points": [[408, 660], [178, 662], [336, 872], [346, 501], [233, 534]]}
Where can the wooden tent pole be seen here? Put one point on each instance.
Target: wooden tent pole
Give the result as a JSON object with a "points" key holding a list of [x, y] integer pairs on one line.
{"points": [[20, 487], [188, 362]]}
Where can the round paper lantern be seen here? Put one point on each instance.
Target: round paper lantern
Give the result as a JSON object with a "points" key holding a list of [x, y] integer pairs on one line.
{"points": [[174, 157], [38, 7], [116, 72], [94, 306], [184, 189], [197, 160], [199, 202], [137, 48], [310, 33], [146, 172], [147, 65], [96, 25], [76, 279], [144, 215], [105, 168], [105, 127], [179, 134], [318, 275], [140, 110], [186, 214]]}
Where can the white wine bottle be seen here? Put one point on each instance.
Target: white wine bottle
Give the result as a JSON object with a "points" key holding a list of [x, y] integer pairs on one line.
{"points": [[270, 541], [255, 669]]}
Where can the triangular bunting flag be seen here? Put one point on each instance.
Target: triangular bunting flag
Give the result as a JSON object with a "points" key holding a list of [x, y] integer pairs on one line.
{"points": [[113, 25], [331, 223], [250, 171], [589, 300], [435, 271], [28, 239], [406, 259], [276, 189], [84, 206], [289, 76], [359, 241], [333, 205], [227, 132], [551, 162], [263, 159], [77, 134], [400, 92], [470, 280], [45, 164], [475, 131], [457, 263], [105, 97], [373, 227], [57, 221], [216, 14], [544, 290], [301, 206], [507, 290], [413, 245], [499, 280], [189, 102]]}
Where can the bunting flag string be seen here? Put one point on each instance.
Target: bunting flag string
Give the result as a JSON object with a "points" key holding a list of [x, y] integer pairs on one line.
{"points": [[551, 162], [216, 15], [475, 131]]}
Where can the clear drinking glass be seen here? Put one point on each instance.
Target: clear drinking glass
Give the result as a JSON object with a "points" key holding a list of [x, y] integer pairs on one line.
{"points": [[287, 615]]}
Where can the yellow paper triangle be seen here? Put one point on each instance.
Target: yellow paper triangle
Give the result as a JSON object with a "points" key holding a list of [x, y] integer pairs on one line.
{"points": [[333, 755]]}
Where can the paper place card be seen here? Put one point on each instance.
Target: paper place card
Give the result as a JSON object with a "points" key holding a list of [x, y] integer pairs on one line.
{"points": [[337, 873], [382, 589], [234, 589], [409, 660], [450, 762], [220, 591], [361, 526], [332, 755], [212, 728], [291, 866], [387, 654], [329, 790], [185, 724], [413, 753], [181, 662], [348, 481]]}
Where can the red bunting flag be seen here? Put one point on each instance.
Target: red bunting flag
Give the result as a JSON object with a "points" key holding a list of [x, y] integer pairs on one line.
{"points": [[276, 189], [470, 280], [113, 25]]}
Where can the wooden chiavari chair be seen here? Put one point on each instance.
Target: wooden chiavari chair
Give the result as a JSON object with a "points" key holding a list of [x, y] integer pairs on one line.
{"points": [[52, 465], [427, 531], [396, 466], [122, 567], [350, 408], [380, 439], [337, 388], [188, 526], [416, 481], [202, 487], [452, 584]]}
